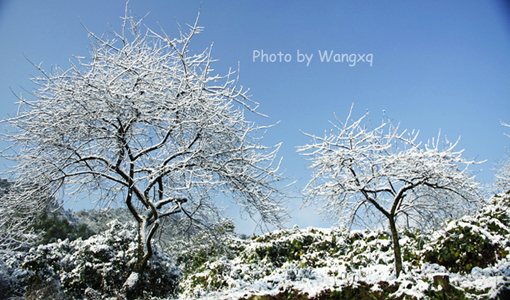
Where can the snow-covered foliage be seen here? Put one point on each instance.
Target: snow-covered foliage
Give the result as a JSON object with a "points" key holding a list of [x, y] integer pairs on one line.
{"points": [[336, 263], [11, 275], [101, 263], [466, 259], [193, 252], [310, 260], [479, 240]]}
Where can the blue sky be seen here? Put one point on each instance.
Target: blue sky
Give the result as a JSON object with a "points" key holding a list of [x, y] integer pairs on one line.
{"points": [[435, 64]]}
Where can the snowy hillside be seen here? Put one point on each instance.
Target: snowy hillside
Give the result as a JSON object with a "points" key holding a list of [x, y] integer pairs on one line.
{"points": [[468, 259]]}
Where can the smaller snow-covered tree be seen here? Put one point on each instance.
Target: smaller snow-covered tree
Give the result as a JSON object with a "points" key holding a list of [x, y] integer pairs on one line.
{"points": [[503, 175], [503, 171], [368, 174]]}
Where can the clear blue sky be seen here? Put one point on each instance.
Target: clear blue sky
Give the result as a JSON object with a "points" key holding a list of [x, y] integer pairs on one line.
{"points": [[435, 64]]}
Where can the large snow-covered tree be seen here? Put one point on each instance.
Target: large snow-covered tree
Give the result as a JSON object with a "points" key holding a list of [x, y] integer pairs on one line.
{"points": [[368, 174], [145, 122]]}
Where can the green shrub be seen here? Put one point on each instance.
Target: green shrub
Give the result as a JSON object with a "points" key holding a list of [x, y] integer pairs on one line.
{"points": [[473, 241], [52, 228]]}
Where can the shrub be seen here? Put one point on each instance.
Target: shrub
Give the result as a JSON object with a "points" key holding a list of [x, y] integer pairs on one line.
{"points": [[100, 263], [9, 282], [52, 228], [473, 241]]}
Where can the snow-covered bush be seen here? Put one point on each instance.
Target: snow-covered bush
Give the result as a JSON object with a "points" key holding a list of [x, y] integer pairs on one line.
{"points": [[336, 263], [285, 261], [101, 264], [11, 275], [473, 241], [200, 247]]}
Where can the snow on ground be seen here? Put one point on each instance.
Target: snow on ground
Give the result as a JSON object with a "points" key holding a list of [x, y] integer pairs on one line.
{"points": [[314, 260], [468, 258], [415, 282]]}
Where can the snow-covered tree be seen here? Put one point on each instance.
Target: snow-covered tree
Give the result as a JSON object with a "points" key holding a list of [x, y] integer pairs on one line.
{"points": [[503, 175], [144, 121], [368, 174], [503, 171]]}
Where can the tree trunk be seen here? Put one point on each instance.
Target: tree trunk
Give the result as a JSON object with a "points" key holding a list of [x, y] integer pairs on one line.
{"points": [[132, 286], [443, 281], [396, 246]]}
